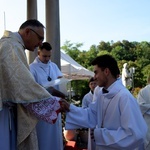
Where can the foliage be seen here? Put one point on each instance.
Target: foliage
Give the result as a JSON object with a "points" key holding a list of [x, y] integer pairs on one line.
{"points": [[81, 88], [136, 54], [136, 91]]}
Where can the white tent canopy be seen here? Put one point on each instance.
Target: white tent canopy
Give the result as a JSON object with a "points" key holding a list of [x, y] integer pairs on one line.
{"points": [[72, 70]]}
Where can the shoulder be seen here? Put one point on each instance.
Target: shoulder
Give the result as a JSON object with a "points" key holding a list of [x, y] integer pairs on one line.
{"points": [[85, 96], [32, 65], [122, 93], [146, 87], [145, 90], [53, 64]]}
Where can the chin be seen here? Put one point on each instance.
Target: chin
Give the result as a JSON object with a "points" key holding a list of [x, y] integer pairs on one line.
{"points": [[100, 85], [32, 50]]}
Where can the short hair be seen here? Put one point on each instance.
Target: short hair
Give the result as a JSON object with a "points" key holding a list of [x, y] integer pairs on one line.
{"points": [[45, 45], [31, 22], [107, 61]]}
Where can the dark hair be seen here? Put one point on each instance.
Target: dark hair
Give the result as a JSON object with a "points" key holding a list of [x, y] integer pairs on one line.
{"points": [[45, 45], [31, 22], [107, 61], [91, 79]]}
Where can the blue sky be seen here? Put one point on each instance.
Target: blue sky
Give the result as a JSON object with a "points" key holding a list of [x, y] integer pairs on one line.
{"points": [[88, 21]]}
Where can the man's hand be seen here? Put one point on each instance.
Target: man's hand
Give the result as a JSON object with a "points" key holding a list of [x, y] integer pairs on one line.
{"points": [[64, 105]]}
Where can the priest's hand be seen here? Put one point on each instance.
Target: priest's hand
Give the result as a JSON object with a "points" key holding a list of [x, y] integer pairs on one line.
{"points": [[64, 105]]}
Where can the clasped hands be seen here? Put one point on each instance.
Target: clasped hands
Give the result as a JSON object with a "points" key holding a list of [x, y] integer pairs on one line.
{"points": [[64, 105]]}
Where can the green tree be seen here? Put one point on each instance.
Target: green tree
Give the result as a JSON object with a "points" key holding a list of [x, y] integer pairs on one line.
{"points": [[72, 49], [136, 54], [104, 46]]}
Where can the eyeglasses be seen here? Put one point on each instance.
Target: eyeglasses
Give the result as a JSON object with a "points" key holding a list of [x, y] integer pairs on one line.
{"points": [[39, 36]]}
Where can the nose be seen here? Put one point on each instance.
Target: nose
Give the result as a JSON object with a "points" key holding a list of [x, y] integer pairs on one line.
{"points": [[47, 58]]}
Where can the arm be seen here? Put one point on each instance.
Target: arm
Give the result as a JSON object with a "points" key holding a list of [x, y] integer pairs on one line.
{"points": [[46, 110], [79, 117]]}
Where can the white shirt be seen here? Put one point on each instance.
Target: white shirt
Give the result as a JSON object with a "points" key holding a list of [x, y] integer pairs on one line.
{"points": [[118, 111], [87, 99], [41, 71], [144, 103]]}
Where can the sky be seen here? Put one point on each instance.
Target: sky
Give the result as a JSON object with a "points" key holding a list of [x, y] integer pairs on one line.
{"points": [[87, 21]]}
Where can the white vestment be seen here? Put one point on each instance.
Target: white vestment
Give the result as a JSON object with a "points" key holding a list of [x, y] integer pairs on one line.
{"points": [[49, 135], [87, 99], [91, 98], [144, 102], [115, 117], [41, 71]]}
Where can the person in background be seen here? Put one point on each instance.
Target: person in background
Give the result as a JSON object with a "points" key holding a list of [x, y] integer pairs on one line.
{"points": [[143, 99], [87, 99], [44, 71], [22, 101], [113, 115]]}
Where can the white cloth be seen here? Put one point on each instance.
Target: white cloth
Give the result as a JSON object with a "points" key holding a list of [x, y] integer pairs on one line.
{"points": [[87, 99], [91, 142], [118, 110], [49, 136], [126, 76], [41, 71], [96, 93], [144, 103]]}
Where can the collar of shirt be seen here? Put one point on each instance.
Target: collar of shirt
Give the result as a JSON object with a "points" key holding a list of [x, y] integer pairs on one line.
{"points": [[20, 38], [113, 89], [104, 90], [37, 60]]}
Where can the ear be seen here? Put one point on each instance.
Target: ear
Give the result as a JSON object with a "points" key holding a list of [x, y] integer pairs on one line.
{"points": [[38, 52], [27, 31], [107, 71]]}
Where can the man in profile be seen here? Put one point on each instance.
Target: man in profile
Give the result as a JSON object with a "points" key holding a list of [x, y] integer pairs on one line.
{"points": [[22, 101], [115, 116]]}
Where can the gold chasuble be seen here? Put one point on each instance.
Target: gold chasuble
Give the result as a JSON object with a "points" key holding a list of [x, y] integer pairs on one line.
{"points": [[18, 86]]}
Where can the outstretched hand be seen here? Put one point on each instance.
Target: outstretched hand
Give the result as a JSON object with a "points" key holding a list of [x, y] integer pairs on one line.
{"points": [[64, 105]]}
